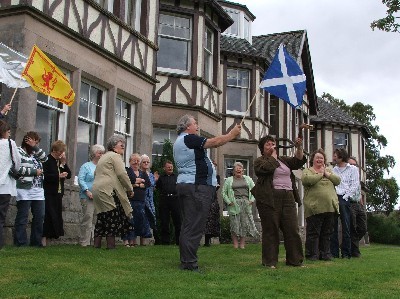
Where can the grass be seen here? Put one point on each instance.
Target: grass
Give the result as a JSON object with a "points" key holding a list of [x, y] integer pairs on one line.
{"points": [[70, 271]]}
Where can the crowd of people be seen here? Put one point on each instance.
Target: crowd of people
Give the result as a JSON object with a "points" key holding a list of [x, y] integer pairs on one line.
{"points": [[120, 200]]}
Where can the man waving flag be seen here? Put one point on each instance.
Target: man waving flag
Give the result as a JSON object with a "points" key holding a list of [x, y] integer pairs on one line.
{"points": [[285, 79]]}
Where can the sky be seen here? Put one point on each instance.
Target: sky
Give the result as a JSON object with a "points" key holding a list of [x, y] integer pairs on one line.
{"points": [[350, 61]]}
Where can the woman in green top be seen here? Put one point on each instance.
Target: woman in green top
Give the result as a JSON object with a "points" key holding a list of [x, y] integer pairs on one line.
{"points": [[320, 205], [239, 200]]}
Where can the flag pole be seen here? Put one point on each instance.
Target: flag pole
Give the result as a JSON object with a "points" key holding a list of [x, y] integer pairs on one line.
{"points": [[15, 91], [251, 103]]}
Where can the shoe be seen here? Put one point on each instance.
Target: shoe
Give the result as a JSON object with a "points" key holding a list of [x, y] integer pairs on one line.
{"points": [[271, 267], [356, 255]]}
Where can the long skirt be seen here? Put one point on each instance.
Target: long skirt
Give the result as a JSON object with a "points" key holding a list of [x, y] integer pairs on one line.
{"points": [[242, 224], [112, 223]]}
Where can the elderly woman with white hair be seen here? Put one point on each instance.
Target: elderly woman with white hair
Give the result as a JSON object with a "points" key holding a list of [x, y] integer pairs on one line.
{"points": [[239, 200], [150, 210], [111, 189], [85, 180]]}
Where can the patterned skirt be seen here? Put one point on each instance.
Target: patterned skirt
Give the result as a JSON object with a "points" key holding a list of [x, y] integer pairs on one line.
{"points": [[112, 223], [243, 224]]}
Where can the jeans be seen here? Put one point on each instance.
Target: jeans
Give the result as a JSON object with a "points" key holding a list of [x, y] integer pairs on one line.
{"points": [[21, 221], [140, 227], [345, 218]]}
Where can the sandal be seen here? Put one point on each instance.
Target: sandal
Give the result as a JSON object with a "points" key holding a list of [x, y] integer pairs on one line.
{"points": [[127, 245]]}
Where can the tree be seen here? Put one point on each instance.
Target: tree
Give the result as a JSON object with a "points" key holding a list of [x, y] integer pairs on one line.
{"points": [[389, 23], [383, 192]]}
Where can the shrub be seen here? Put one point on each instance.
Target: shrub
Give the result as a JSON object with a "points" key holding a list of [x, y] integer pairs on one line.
{"points": [[225, 237], [384, 229]]}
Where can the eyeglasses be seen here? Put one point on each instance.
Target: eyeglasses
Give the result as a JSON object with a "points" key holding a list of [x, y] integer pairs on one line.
{"points": [[146, 162]]}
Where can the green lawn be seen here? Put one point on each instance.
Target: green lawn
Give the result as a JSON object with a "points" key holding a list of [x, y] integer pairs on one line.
{"points": [[70, 271]]}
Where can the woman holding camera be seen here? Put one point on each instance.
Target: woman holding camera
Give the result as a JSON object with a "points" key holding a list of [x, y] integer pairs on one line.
{"points": [[30, 193], [9, 158]]}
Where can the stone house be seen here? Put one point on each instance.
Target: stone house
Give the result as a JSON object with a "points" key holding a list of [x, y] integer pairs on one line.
{"points": [[136, 66]]}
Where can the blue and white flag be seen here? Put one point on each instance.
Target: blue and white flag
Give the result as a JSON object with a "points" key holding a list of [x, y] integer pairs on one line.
{"points": [[285, 79], [12, 64]]}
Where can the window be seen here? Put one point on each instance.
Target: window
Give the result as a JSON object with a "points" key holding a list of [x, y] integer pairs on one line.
{"points": [[133, 10], [340, 140], [50, 121], [208, 55], [124, 112], [241, 28], [228, 166], [237, 91], [246, 29], [174, 41], [313, 140], [234, 29], [106, 4], [159, 137], [273, 115], [89, 122], [261, 108]]}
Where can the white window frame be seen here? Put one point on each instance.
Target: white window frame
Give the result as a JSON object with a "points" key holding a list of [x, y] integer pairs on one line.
{"points": [[106, 4], [247, 88], [86, 119], [208, 55], [189, 46], [242, 20], [340, 145], [133, 11], [129, 136]]}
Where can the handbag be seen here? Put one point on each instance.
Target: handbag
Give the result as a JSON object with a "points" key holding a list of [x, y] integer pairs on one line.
{"points": [[13, 172]]}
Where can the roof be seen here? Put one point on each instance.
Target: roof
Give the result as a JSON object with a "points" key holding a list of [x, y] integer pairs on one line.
{"points": [[330, 113], [225, 20], [234, 4]]}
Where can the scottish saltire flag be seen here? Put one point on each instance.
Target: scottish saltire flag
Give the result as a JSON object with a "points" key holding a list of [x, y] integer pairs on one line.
{"points": [[285, 79], [12, 64]]}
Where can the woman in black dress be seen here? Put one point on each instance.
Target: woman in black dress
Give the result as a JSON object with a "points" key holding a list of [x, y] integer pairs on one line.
{"points": [[55, 171]]}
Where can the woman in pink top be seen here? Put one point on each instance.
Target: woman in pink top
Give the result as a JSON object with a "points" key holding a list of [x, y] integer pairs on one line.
{"points": [[276, 196]]}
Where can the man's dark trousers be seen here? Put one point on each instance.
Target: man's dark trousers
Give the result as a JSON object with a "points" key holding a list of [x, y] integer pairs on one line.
{"points": [[195, 202], [169, 208]]}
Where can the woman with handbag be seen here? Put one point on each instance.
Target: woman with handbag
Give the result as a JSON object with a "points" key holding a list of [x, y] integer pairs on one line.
{"points": [[30, 193], [9, 159]]}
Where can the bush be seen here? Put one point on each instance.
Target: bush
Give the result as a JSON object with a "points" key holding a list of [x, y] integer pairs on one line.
{"points": [[225, 237], [384, 229]]}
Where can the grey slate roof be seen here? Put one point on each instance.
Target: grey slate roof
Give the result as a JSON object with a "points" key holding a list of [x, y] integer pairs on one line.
{"points": [[329, 113], [264, 46]]}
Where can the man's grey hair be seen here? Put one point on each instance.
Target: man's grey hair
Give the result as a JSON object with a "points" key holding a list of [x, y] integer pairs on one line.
{"points": [[183, 123], [113, 141], [94, 149]]}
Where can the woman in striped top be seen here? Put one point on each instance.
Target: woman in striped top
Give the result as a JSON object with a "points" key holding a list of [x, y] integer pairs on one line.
{"points": [[30, 194]]}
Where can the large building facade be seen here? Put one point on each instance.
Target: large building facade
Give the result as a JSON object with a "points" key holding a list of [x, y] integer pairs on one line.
{"points": [[137, 66]]}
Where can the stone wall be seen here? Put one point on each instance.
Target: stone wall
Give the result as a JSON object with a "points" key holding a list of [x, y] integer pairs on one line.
{"points": [[72, 215]]}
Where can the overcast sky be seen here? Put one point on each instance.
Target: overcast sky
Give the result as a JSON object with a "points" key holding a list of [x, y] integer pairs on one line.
{"points": [[350, 61]]}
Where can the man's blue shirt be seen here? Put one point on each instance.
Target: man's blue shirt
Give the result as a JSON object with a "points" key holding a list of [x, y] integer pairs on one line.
{"points": [[194, 166]]}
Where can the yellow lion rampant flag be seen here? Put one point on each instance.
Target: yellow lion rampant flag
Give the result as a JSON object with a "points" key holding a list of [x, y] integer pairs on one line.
{"points": [[45, 77]]}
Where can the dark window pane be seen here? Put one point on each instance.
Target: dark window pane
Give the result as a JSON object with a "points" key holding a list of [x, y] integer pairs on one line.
{"points": [[173, 54]]}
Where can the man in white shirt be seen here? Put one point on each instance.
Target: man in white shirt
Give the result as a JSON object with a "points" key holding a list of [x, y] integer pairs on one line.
{"points": [[347, 190]]}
